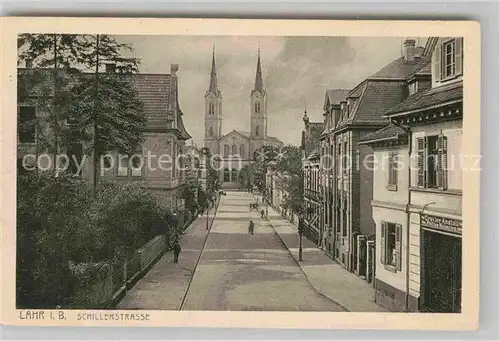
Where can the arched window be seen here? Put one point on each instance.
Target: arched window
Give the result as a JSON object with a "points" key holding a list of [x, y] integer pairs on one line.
{"points": [[234, 175], [226, 175], [210, 131], [257, 107], [234, 150], [211, 109], [257, 130], [242, 150], [226, 150]]}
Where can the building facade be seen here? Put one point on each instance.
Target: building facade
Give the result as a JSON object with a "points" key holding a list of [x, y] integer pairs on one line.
{"points": [[236, 149], [419, 222], [361, 113]]}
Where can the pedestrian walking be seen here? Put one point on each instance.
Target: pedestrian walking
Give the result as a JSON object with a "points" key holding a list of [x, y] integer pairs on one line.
{"points": [[177, 251], [262, 214], [251, 227]]}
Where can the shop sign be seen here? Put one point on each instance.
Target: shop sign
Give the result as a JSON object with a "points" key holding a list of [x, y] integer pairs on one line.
{"points": [[440, 223]]}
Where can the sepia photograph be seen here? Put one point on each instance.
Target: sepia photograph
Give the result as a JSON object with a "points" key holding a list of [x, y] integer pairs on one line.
{"points": [[224, 172]]}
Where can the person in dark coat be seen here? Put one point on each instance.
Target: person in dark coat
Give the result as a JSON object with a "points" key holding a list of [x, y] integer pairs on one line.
{"points": [[177, 251], [262, 213], [251, 227]]}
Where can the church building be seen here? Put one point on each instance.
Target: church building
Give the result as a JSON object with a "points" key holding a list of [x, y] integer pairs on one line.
{"points": [[235, 149]]}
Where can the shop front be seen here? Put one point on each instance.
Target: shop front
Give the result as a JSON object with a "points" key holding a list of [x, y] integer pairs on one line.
{"points": [[441, 256]]}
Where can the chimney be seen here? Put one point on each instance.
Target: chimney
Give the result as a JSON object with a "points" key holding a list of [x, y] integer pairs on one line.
{"points": [[29, 63], [173, 69], [110, 67], [409, 50]]}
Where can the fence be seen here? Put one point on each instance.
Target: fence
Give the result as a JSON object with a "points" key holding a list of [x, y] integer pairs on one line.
{"points": [[101, 285]]}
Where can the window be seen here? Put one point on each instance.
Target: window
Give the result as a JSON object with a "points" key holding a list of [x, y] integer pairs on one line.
{"points": [[447, 60], [390, 243], [226, 175], [242, 150], [432, 162], [412, 88], [257, 107], [344, 159], [234, 150], [226, 150], [210, 131], [257, 130], [392, 168], [122, 165], [27, 124], [344, 221], [234, 175], [211, 109], [75, 153], [137, 164]]}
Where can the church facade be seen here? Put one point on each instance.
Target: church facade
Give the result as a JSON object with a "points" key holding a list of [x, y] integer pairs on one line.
{"points": [[235, 149]]}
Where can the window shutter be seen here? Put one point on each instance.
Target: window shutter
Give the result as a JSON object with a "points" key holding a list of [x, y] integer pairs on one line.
{"points": [[398, 246], [442, 162], [421, 162], [458, 56], [436, 63], [382, 242]]}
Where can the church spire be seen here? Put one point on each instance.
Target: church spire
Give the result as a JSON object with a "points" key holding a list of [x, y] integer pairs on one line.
{"points": [[213, 75], [259, 84]]}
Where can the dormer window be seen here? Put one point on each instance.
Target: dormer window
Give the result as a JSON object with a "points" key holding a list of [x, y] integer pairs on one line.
{"points": [[447, 60], [412, 88]]}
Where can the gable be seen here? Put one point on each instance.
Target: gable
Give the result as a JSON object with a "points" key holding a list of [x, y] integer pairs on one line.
{"points": [[233, 137]]}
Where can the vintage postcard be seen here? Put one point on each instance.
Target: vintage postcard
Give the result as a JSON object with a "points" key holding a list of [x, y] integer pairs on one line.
{"points": [[240, 173]]}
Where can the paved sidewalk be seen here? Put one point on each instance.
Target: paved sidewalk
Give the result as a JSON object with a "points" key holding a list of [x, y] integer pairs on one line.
{"points": [[164, 286], [328, 277]]}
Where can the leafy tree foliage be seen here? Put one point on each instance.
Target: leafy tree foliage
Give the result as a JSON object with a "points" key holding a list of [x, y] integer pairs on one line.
{"points": [[59, 221], [104, 109]]}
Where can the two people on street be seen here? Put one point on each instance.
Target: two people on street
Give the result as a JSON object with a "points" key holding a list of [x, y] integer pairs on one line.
{"points": [[251, 227]]}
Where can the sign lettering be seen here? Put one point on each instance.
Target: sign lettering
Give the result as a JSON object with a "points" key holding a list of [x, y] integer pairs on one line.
{"points": [[440, 223]]}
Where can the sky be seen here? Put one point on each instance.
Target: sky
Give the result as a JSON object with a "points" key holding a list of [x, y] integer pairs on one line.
{"points": [[296, 71]]}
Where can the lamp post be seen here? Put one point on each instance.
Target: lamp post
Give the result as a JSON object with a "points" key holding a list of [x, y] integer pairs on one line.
{"points": [[301, 231], [207, 213]]}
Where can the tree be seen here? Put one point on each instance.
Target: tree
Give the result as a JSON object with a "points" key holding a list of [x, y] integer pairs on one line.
{"points": [[263, 158], [105, 108]]}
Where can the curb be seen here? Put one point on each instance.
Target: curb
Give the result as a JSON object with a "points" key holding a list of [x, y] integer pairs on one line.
{"points": [[184, 296], [304, 272]]}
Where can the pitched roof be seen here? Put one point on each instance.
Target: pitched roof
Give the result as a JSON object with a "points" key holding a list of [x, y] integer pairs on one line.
{"points": [[426, 70], [400, 68], [154, 93], [244, 133], [314, 155], [334, 96], [273, 139], [429, 98], [386, 133], [380, 92], [312, 135]]}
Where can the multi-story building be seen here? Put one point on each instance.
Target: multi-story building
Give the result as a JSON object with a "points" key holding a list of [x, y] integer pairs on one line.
{"points": [[165, 134], [360, 114], [417, 203], [331, 108], [313, 207]]}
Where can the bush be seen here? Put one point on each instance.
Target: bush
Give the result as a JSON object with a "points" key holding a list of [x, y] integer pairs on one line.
{"points": [[60, 220]]}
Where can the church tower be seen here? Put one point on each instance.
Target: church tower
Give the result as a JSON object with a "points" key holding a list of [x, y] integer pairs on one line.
{"points": [[258, 111], [213, 112]]}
